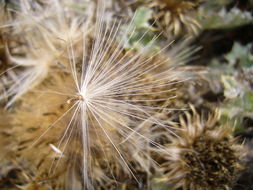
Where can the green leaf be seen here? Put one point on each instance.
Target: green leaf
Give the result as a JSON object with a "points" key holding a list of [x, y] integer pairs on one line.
{"points": [[142, 31], [232, 88], [240, 55], [221, 19], [143, 15]]}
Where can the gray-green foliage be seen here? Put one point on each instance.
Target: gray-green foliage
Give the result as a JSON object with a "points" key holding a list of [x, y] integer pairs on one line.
{"points": [[239, 97], [213, 15], [142, 32]]}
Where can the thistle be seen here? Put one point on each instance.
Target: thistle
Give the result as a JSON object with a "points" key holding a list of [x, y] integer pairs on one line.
{"points": [[204, 156], [90, 118], [174, 16]]}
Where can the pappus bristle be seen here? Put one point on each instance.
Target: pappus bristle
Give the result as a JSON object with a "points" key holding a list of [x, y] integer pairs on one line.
{"points": [[111, 91], [92, 119], [45, 30]]}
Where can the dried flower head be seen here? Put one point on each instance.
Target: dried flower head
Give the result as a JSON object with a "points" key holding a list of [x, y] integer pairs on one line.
{"points": [[174, 16], [91, 120], [204, 156]]}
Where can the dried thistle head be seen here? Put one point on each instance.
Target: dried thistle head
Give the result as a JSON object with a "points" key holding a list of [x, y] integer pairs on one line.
{"points": [[174, 16], [47, 120], [90, 120], [203, 156]]}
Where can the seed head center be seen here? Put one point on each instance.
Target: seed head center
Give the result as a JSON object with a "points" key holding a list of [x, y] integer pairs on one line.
{"points": [[78, 97], [81, 97]]}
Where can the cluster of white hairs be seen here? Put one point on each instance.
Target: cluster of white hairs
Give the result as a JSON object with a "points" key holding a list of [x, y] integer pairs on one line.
{"points": [[45, 31], [110, 105]]}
